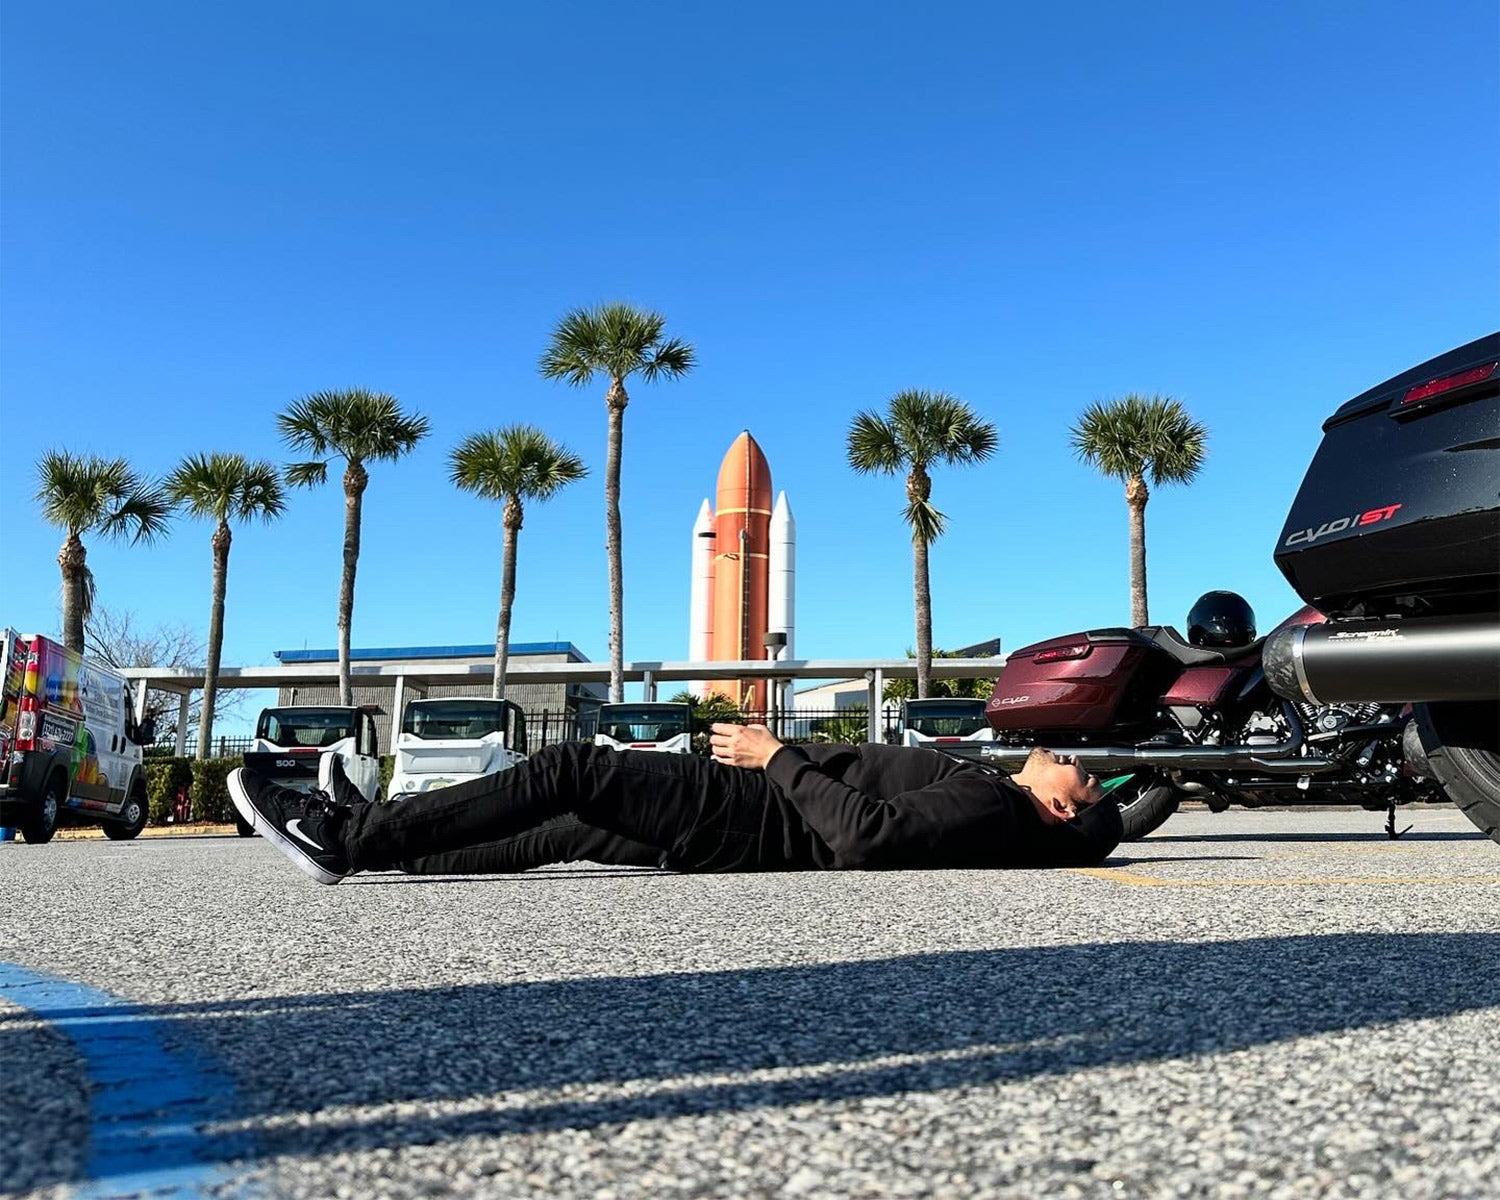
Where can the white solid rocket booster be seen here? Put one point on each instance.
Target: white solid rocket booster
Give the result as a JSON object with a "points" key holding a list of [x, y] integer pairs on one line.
{"points": [[781, 605], [701, 618]]}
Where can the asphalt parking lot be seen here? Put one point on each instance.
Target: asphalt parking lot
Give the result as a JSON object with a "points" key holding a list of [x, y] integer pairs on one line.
{"points": [[1278, 1004]]}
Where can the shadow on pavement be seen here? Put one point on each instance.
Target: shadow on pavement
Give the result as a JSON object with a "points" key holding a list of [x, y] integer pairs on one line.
{"points": [[1375, 835], [967, 1018]]}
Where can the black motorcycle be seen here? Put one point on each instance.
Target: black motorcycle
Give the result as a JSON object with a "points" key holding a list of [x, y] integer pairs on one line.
{"points": [[1395, 536]]}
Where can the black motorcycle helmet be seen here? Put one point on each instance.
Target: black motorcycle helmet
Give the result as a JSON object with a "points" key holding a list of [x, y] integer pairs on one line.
{"points": [[1219, 620]]}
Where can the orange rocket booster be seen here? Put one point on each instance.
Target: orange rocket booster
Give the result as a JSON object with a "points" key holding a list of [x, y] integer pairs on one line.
{"points": [[742, 545]]}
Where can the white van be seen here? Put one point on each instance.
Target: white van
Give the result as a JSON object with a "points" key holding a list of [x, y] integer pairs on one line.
{"points": [[944, 720], [70, 749], [290, 742], [664, 728], [443, 742]]}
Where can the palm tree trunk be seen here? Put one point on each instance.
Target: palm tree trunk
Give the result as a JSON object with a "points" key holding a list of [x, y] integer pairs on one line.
{"points": [[922, 604], [918, 492], [615, 400], [73, 560], [355, 480], [512, 526], [1136, 495], [221, 542]]}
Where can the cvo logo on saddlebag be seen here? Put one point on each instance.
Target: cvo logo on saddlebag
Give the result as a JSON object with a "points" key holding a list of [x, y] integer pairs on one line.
{"points": [[1370, 517]]}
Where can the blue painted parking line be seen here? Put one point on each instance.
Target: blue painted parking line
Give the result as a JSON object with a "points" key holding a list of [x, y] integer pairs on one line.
{"points": [[150, 1103]]}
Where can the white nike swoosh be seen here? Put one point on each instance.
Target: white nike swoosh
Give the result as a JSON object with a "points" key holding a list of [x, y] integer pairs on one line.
{"points": [[291, 828]]}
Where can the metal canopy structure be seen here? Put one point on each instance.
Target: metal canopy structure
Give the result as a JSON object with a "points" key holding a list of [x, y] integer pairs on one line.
{"points": [[426, 674]]}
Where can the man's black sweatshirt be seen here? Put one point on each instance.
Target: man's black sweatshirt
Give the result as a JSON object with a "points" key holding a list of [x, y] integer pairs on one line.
{"points": [[892, 807]]}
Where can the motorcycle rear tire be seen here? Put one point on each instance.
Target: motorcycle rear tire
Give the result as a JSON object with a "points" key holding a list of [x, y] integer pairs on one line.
{"points": [[1460, 744], [1149, 811]]}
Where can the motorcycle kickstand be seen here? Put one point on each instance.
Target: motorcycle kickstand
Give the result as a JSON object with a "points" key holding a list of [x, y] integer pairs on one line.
{"points": [[1390, 820]]}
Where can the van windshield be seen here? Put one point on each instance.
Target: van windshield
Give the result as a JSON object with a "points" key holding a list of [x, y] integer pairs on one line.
{"points": [[946, 718], [444, 719], [643, 722], [305, 726]]}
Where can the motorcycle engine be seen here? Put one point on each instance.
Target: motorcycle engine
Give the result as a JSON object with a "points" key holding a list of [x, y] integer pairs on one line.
{"points": [[1329, 718]]}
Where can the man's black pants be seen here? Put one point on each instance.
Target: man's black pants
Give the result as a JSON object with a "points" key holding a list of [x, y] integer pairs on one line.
{"points": [[700, 815]]}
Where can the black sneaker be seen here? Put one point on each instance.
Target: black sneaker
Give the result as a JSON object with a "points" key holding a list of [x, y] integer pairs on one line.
{"points": [[333, 783], [304, 827]]}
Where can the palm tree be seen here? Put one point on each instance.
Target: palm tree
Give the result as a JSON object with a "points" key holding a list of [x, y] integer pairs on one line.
{"points": [[219, 487], [919, 430], [88, 494], [512, 464], [1133, 437], [358, 426], [616, 341]]}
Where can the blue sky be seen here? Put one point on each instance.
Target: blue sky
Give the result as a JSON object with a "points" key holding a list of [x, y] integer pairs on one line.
{"points": [[209, 210]]}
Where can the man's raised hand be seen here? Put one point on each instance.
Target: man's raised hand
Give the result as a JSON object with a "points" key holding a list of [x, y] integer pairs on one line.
{"points": [[743, 745]]}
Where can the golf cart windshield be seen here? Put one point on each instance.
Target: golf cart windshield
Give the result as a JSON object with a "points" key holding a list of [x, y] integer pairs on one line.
{"points": [[945, 718], [291, 727], [451, 719], [643, 722]]}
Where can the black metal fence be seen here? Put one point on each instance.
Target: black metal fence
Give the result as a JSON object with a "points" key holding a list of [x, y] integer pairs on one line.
{"points": [[548, 726]]}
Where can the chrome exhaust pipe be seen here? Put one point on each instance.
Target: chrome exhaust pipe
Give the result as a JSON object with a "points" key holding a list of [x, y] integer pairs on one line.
{"points": [[1389, 662], [1277, 758]]}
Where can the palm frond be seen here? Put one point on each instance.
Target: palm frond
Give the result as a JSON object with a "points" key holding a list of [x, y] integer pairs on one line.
{"points": [[575, 353], [925, 520], [671, 358], [305, 421], [617, 340], [357, 424], [518, 461], [261, 494], [145, 510], [873, 447], [87, 590], [1136, 435], [305, 474], [1179, 444], [1109, 435], [921, 428], [205, 484], [80, 493]]}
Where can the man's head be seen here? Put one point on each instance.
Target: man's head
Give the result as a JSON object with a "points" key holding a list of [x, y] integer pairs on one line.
{"points": [[1059, 787]]}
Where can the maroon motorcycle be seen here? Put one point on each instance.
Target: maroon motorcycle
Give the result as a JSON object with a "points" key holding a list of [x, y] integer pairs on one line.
{"points": [[1169, 717]]}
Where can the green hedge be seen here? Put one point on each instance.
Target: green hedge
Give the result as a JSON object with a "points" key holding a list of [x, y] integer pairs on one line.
{"points": [[211, 800], [206, 787], [205, 784], [163, 778]]}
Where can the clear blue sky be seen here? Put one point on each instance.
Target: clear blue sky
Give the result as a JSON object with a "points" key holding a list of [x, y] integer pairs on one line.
{"points": [[209, 210]]}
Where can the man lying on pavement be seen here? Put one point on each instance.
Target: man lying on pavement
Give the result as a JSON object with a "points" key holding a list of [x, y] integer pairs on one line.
{"points": [[757, 805]]}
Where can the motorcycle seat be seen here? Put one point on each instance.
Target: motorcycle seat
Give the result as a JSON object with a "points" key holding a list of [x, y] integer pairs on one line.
{"points": [[1189, 655]]}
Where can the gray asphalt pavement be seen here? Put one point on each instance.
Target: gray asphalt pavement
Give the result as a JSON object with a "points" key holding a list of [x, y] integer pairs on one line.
{"points": [[1248, 1004]]}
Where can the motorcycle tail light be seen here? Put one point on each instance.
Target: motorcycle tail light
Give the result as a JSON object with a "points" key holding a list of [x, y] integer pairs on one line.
{"points": [[1436, 387], [1058, 653]]}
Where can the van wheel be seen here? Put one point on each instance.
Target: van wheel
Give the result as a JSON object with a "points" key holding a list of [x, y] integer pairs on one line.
{"points": [[1462, 747], [243, 827], [131, 821], [42, 824]]}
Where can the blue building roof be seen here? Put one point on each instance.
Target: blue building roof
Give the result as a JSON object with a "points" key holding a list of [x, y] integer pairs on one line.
{"points": [[385, 652]]}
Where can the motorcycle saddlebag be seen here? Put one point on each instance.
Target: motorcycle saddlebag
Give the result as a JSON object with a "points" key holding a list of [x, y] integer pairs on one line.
{"points": [[1080, 682], [1401, 497]]}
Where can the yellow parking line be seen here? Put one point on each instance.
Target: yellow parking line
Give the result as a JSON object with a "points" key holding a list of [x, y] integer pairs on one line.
{"points": [[1133, 879]]}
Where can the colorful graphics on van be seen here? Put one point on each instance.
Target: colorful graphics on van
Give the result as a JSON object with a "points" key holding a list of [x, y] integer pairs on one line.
{"points": [[71, 695], [10, 686]]}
